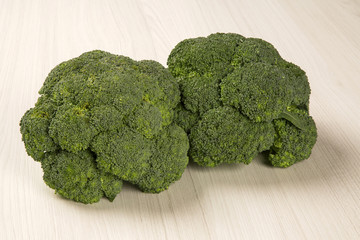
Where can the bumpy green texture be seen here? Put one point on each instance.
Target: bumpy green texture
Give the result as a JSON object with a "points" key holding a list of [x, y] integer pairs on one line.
{"points": [[238, 99], [102, 119], [224, 135], [75, 176], [292, 144]]}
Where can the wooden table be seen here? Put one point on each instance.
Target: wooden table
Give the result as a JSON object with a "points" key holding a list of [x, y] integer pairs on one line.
{"points": [[316, 199]]}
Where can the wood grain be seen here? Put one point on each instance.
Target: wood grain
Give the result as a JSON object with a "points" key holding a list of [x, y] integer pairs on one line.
{"points": [[316, 199]]}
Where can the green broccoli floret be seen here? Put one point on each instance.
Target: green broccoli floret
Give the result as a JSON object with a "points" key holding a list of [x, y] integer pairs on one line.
{"points": [[111, 185], [185, 118], [245, 74], [293, 143], [224, 135], [76, 177], [260, 90], [34, 128], [124, 153], [102, 119], [70, 128], [201, 56], [300, 83], [253, 50], [199, 64], [168, 159]]}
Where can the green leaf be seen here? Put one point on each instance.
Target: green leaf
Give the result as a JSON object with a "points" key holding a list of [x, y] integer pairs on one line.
{"points": [[294, 119]]}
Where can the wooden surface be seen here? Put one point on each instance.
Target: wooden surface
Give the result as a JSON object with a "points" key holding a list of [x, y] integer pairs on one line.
{"points": [[316, 199]]}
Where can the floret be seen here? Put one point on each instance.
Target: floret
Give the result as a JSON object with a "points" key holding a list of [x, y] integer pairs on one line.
{"points": [[293, 143], [70, 128], [300, 83], [253, 50], [261, 91], [102, 119], [76, 177], [168, 160], [124, 153], [224, 135], [185, 118], [199, 64], [201, 56], [34, 127]]}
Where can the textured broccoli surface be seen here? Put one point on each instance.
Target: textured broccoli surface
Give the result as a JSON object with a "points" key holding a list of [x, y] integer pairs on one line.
{"points": [[102, 119], [248, 75], [291, 143], [75, 176], [185, 118], [224, 135], [260, 90]]}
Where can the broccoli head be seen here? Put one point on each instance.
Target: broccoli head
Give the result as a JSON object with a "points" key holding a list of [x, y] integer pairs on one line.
{"points": [[247, 75], [102, 119]]}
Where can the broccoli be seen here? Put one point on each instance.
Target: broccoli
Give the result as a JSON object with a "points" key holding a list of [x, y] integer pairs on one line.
{"points": [[224, 135], [75, 176], [292, 144], [102, 119], [240, 98]]}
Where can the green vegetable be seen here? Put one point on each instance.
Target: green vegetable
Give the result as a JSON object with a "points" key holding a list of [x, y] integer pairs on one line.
{"points": [[102, 119], [240, 98], [224, 135], [292, 144]]}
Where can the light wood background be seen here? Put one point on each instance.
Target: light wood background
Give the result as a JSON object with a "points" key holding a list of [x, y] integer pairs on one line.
{"points": [[316, 199]]}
